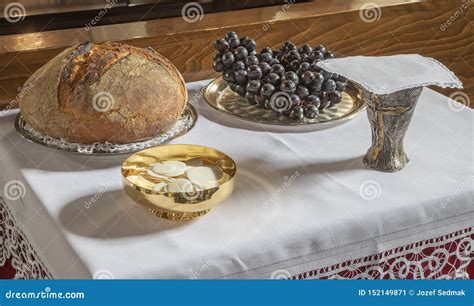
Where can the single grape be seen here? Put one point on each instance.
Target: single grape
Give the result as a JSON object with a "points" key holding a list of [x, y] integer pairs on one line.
{"points": [[328, 54], [320, 48], [240, 53], [278, 69], [229, 75], [290, 46], [304, 66], [318, 78], [265, 67], [241, 77], [234, 42], [230, 34], [311, 111], [267, 90], [218, 56], [249, 44], [297, 113], [295, 100], [329, 85], [221, 45], [240, 89], [253, 86], [308, 77], [295, 65], [238, 65], [254, 72], [227, 58], [288, 86], [266, 57], [314, 100], [317, 55], [273, 78], [218, 66], [301, 91], [242, 39], [306, 49], [292, 76], [267, 50], [251, 60], [293, 55]]}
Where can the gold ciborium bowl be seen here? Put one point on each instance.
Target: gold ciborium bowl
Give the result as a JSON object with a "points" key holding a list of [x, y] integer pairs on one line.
{"points": [[184, 205]]}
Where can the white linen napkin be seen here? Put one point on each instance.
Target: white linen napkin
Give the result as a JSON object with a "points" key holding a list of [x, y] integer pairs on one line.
{"points": [[388, 74]]}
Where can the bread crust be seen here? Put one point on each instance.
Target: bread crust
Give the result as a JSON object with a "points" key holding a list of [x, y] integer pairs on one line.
{"points": [[104, 92]]}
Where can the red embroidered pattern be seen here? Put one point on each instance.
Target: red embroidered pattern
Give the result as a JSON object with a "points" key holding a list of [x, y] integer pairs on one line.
{"points": [[446, 257]]}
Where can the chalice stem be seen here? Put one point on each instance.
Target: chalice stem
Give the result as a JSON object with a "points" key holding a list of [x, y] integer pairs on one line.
{"points": [[389, 117]]}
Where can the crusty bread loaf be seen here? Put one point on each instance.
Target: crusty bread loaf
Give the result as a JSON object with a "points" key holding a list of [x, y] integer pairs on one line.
{"points": [[104, 92]]}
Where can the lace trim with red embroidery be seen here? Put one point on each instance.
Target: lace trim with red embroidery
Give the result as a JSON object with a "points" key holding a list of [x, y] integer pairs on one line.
{"points": [[444, 257], [16, 246]]}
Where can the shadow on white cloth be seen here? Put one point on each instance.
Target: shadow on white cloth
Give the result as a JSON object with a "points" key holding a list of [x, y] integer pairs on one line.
{"points": [[112, 215]]}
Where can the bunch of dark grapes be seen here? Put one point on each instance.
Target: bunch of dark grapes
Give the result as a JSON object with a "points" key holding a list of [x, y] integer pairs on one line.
{"points": [[287, 80]]}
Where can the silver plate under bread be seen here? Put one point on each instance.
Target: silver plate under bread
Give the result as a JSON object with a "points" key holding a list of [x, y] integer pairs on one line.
{"points": [[184, 124]]}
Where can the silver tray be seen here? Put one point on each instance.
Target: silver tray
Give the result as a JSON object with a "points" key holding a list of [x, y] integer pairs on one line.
{"points": [[220, 97], [184, 124]]}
